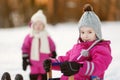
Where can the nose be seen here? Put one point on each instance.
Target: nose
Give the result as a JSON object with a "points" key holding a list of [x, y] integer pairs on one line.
{"points": [[86, 36]]}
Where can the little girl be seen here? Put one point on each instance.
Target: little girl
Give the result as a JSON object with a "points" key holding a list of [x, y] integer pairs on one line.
{"points": [[37, 47], [90, 57]]}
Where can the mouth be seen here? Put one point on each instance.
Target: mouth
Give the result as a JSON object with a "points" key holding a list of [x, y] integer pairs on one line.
{"points": [[87, 40]]}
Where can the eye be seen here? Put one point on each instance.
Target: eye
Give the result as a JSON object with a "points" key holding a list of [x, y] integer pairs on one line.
{"points": [[82, 32], [90, 32]]}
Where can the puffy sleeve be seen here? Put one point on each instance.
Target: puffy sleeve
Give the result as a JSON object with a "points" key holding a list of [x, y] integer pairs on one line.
{"points": [[101, 58], [52, 44], [26, 45], [71, 54], [64, 58]]}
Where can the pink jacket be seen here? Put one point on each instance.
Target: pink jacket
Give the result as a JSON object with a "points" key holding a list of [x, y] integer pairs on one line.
{"points": [[94, 65], [26, 48]]}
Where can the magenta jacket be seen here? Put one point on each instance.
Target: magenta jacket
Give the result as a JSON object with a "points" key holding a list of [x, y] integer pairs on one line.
{"points": [[37, 66], [94, 65]]}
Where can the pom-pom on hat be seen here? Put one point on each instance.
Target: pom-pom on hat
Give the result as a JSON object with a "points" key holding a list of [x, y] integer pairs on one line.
{"points": [[39, 16], [90, 19]]}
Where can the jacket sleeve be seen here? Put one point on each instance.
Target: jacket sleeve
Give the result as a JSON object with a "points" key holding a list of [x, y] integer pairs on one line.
{"points": [[52, 44], [26, 45], [64, 58], [101, 58]]}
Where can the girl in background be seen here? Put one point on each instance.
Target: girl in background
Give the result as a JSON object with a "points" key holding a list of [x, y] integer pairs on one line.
{"points": [[37, 47]]}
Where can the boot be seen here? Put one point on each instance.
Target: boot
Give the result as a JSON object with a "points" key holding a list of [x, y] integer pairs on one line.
{"points": [[18, 77], [44, 76], [6, 76], [34, 76]]}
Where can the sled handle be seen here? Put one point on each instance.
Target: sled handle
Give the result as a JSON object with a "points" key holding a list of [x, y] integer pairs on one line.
{"points": [[49, 74], [71, 77], [95, 78]]}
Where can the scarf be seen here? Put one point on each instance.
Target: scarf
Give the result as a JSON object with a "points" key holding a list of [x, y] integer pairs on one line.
{"points": [[40, 44]]}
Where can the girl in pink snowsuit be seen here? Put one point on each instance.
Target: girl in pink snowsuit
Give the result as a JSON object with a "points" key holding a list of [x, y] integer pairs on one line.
{"points": [[90, 57], [37, 47]]}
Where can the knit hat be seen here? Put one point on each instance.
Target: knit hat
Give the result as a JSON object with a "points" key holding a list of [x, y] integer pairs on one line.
{"points": [[90, 19], [38, 16]]}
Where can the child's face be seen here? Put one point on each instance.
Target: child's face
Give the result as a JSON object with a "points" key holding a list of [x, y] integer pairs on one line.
{"points": [[38, 26], [87, 34]]}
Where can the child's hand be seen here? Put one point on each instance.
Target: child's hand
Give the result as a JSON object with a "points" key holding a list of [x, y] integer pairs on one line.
{"points": [[70, 68], [47, 64]]}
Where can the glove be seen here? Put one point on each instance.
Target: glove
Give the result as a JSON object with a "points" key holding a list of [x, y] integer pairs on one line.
{"points": [[47, 64], [54, 54], [70, 68], [26, 62]]}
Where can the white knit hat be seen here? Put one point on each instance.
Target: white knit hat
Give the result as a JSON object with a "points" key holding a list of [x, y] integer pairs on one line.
{"points": [[90, 19], [39, 16]]}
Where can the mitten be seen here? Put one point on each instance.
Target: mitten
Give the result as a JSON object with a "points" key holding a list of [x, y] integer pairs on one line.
{"points": [[47, 64], [54, 54], [70, 68], [25, 62]]}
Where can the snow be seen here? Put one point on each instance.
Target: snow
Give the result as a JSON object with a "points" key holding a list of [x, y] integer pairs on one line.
{"points": [[65, 36]]}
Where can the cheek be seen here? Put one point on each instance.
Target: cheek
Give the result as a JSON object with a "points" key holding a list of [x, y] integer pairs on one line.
{"points": [[42, 27], [81, 35], [35, 27], [93, 36]]}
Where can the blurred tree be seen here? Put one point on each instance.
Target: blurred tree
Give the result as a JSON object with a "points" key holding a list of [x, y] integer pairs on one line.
{"points": [[118, 10], [112, 10], [65, 10], [18, 12], [27, 9], [101, 9], [5, 20]]}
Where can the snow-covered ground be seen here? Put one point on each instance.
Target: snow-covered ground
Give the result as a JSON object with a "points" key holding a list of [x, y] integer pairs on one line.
{"points": [[65, 36]]}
